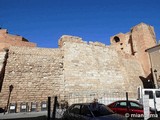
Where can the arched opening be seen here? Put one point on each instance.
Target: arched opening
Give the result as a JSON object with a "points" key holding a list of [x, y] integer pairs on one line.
{"points": [[116, 39]]}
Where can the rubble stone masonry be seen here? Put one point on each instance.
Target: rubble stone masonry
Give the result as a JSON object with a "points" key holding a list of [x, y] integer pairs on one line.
{"points": [[88, 67], [76, 66], [35, 74], [7, 40]]}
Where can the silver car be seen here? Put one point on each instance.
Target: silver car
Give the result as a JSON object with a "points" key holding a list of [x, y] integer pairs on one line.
{"points": [[90, 111]]}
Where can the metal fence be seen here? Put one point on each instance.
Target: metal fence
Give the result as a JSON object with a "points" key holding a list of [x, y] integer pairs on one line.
{"points": [[86, 97], [56, 105]]}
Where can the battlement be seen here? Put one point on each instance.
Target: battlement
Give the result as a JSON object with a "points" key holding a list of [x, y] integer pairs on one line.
{"points": [[7, 40], [97, 44], [69, 38], [75, 39]]}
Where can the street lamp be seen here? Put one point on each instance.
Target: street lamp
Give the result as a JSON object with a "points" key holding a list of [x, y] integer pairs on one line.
{"points": [[10, 90], [155, 80]]}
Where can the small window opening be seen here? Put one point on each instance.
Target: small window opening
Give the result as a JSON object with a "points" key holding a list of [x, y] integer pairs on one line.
{"points": [[116, 39]]}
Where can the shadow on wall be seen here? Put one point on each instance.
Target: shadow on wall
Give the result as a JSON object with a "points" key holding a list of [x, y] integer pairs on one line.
{"points": [[2, 71], [130, 41], [148, 81]]}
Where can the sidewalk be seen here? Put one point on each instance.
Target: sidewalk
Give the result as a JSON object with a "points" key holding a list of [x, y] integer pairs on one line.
{"points": [[25, 115]]}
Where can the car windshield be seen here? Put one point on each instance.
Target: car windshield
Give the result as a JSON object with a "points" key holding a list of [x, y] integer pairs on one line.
{"points": [[100, 110]]}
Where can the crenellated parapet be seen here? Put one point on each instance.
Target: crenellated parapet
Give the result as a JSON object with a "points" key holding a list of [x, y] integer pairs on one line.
{"points": [[75, 39], [68, 38], [7, 40]]}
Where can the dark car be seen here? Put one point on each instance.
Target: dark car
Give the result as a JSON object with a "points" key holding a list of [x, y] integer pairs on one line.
{"points": [[134, 107], [2, 110], [90, 111]]}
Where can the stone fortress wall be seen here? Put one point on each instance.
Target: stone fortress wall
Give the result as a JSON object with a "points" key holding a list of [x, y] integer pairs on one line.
{"points": [[96, 67], [76, 66], [35, 73], [7, 40]]}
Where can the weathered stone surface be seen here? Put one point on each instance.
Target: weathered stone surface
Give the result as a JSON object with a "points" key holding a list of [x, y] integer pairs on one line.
{"points": [[99, 68], [7, 40], [77, 67], [35, 74], [135, 43], [154, 54]]}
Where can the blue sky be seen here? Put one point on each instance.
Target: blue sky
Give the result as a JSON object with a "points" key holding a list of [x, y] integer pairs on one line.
{"points": [[45, 21]]}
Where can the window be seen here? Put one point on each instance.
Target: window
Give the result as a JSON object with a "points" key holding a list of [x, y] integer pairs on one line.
{"points": [[121, 104], [158, 94], [75, 109], [116, 39], [136, 105], [102, 111], [85, 111], [150, 93]]}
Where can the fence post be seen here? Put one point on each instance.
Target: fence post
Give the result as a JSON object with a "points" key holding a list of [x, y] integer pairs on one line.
{"points": [[49, 108], [128, 113], [54, 108]]}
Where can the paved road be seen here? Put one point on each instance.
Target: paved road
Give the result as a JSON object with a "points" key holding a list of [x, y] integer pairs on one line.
{"points": [[22, 115]]}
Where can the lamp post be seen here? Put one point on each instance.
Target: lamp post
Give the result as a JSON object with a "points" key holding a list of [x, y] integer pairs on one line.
{"points": [[10, 90], [155, 79]]}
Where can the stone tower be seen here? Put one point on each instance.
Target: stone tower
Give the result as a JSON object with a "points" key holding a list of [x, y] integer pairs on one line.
{"points": [[135, 43]]}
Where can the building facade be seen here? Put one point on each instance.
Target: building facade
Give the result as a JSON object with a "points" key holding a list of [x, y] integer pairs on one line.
{"points": [[154, 53]]}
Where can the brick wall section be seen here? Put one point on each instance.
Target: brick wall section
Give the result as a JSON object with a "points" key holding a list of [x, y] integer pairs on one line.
{"points": [[7, 40], [35, 74]]}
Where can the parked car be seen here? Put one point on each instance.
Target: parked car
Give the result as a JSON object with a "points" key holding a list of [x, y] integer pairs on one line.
{"points": [[2, 110], [134, 107], [90, 111]]}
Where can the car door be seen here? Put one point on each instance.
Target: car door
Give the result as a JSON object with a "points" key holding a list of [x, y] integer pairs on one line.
{"points": [[121, 107], [74, 113], [135, 108], [86, 113]]}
